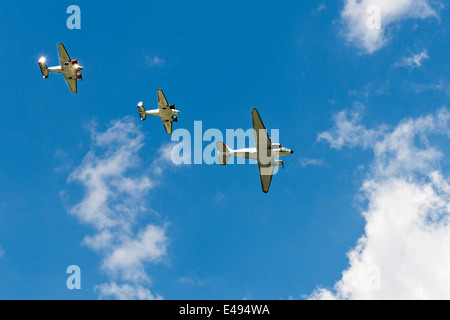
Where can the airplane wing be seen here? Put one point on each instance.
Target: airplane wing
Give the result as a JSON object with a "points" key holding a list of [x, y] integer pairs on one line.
{"points": [[263, 151], [168, 125], [262, 141], [72, 84], [165, 112], [162, 101], [64, 58], [63, 55], [266, 174]]}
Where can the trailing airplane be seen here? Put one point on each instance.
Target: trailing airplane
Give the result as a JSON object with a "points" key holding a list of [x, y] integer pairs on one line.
{"points": [[165, 111], [264, 152], [69, 68]]}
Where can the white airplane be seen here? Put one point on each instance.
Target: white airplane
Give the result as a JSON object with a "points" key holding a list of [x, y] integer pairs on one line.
{"points": [[165, 111], [264, 152], [69, 68]]}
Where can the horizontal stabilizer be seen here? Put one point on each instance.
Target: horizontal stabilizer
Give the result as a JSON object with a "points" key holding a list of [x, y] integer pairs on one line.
{"points": [[224, 153], [142, 112], [44, 68]]}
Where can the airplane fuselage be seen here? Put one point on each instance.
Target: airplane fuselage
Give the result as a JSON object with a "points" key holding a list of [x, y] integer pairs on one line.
{"points": [[168, 113], [251, 153], [68, 69]]}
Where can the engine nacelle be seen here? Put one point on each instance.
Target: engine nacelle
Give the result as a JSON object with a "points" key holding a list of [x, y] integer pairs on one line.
{"points": [[79, 76], [172, 107], [276, 146], [75, 61], [175, 119], [277, 163]]}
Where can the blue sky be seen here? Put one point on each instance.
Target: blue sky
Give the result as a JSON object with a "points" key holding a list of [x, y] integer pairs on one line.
{"points": [[362, 117]]}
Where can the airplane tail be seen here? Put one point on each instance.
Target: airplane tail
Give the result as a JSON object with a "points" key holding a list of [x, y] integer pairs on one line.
{"points": [[44, 68], [142, 112], [224, 153]]}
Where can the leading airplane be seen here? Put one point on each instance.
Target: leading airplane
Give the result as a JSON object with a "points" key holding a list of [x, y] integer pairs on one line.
{"points": [[69, 68], [264, 152]]}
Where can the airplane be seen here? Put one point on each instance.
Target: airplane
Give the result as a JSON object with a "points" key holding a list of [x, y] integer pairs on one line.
{"points": [[69, 68], [264, 153], [165, 111]]}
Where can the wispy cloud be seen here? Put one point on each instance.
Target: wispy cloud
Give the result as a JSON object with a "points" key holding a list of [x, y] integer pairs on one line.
{"points": [[112, 195], [441, 86], [164, 159], [127, 259], [320, 8], [371, 89], [115, 189], [304, 162], [220, 196], [349, 132], [155, 61], [192, 281], [403, 253], [355, 17], [125, 292], [414, 61]]}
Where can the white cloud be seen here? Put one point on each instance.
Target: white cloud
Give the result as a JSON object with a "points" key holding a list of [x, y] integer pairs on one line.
{"points": [[405, 251], [193, 281], [112, 196], [220, 196], [304, 162], [155, 61], [413, 62], [395, 151], [355, 17], [129, 257], [349, 132], [320, 8], [116, 188], [164, 160], [406, 150], [125, 292], [441, 86], [371, 89]]}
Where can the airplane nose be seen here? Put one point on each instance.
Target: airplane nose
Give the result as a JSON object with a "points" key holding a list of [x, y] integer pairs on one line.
{"points": [[292, 151]]}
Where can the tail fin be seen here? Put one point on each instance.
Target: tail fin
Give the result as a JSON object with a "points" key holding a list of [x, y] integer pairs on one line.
{"points": [[44, 68], [224, 153], [142, 112]]}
